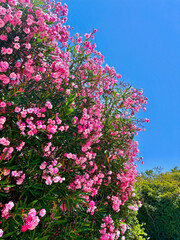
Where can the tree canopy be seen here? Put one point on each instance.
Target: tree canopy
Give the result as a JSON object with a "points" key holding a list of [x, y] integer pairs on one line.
{"points": [[160, 196]]}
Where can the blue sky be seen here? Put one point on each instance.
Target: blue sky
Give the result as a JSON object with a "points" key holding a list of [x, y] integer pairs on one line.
{"points": [[141, 39]]}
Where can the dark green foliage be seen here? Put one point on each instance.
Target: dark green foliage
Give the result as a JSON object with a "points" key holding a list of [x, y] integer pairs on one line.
{"points": [[160, 196]]}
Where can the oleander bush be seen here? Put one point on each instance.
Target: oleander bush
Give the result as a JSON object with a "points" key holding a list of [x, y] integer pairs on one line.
{"points": [[67, 126]]}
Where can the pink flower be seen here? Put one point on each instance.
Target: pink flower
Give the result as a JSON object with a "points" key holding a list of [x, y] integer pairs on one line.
{"points": [[16, 45], [6, 172], [4, 66], [29, 21], [3, 50], [146, 120], [1, 232], [43, 110], [19, 14], [43, 165], [92, 203], [23, 114], [9, 205], [56, 179], [66, 128], [16, 39], [31, 220], [34, 223], [35, 29], [28, 45], [38, 12], [4, 141], [48, 180], [55, 170], [13, 76], [4, 79], [5, 210], [24, 228], [42, 212], [2, 120], [3, 37], [1, 23], [32, 212], [27, 30], [9, 50], [17, 109], [117, 116], [116, 203], [12, 2], [37, 78], [61, 180], [17, 64], [101, 175], [111, 228], [87, 35], [120, 153], [68, 91], [2, 10], [2, 104], [15, 174], [61, 128], [48, 105], [19, 181]]}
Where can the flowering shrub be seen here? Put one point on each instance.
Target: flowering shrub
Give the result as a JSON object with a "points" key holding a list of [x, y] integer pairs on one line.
{"points": [[67, 127]]}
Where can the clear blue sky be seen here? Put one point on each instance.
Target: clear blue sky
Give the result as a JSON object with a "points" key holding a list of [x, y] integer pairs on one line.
{"points": [[141, 39]]}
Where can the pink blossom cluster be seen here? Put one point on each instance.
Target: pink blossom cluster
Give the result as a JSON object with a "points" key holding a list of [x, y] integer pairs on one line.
{"points": [[5, 211], [51, 172], [108, 230], [31, 220], [91, 207], [34, 24], [20, 146], [19, 175], [89, 122], [3, 65], [116, 203], [4, 141], [7, 151], [136, 206], [125, 180], [124, 227], [87, 184], [30, 121]]}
